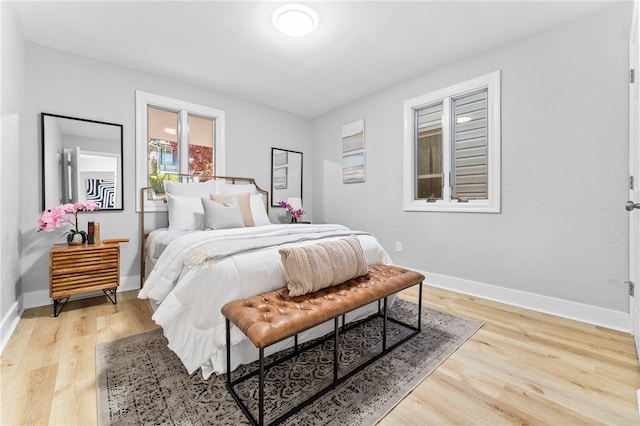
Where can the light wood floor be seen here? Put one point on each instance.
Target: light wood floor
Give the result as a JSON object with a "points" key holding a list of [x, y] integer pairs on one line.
{"points": [[521, 367]]}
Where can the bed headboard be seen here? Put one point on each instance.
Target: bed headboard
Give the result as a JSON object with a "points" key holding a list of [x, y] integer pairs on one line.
{"points": [[190, 178]]}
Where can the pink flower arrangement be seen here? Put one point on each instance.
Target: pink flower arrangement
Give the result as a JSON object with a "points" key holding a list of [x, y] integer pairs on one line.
{"points": [[65, 213], [295, 213]]}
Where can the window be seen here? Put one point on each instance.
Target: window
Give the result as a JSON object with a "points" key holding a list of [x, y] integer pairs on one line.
{"points": [[173, 136], [452, 148]]}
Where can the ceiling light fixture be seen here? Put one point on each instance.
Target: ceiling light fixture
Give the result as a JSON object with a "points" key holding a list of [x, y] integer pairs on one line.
{"points": [[463, 119], [295, 20], [170, 131]]}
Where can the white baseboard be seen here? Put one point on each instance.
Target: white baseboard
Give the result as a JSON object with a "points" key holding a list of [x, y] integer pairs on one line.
{"points": [[34, 299], [10, 322], [589, 314]]}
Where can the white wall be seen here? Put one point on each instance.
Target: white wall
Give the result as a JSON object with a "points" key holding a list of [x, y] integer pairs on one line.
{"points": [[563, 229], [76, 86], [11, 110]]}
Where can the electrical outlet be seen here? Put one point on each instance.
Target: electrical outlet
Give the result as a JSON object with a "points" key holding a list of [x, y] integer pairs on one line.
{"points": [[398, 246]]}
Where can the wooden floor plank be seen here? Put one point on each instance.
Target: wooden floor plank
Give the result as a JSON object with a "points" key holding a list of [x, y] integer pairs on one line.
{"points": [[521, 367], [33, 398], [75, 402], [553, 381]]}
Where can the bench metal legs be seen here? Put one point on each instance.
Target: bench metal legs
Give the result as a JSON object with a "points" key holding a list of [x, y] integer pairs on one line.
{"points": [[261, 389], [335, 349], [230, 384], [263, 368]]}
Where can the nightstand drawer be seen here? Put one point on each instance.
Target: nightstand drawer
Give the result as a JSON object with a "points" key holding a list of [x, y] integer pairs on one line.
{"points": [[92, 260], [67, 284]]}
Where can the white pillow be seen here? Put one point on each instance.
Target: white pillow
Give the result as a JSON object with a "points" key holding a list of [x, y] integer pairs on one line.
{"points": [[260, 216], [235, 189], [185, 213], [190, 189], [225, 215]]}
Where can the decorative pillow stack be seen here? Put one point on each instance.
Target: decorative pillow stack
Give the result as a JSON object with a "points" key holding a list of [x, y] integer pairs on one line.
{"points": [[316, 266], [256, 200], [214, 205]]}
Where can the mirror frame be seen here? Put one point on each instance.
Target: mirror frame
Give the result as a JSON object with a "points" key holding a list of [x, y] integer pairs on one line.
{"points": [[273, 166], [44, 166]]}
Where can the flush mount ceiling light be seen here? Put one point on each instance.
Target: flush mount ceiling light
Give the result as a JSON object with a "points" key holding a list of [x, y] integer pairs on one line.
{"points": [[295, 20]]}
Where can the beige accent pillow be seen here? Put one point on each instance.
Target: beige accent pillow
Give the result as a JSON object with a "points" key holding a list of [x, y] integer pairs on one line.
{"points": [[243, 202], [316, 266]]}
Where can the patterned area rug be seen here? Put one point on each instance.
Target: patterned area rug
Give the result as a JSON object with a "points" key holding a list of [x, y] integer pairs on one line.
{"points": [[141, 381]]}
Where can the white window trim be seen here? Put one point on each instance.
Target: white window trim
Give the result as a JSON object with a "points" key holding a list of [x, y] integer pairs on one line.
{"points": [[144, 99], [492, 205]]}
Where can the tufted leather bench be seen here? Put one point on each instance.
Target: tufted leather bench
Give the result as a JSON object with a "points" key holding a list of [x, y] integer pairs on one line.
{"points": [[271, 317]]}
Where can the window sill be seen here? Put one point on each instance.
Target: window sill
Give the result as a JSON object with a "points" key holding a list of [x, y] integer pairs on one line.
{"points": [[467, 207]]}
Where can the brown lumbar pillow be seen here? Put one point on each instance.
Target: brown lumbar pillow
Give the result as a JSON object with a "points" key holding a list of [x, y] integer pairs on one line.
{"points": [[316, 266]]}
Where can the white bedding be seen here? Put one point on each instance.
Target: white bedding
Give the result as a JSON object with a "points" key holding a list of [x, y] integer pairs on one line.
{"points": [[159, 239], [189, 298]]}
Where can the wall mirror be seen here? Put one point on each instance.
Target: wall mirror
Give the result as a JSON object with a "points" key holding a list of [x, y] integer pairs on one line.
{"points": [[286, 175], [81, 161]]}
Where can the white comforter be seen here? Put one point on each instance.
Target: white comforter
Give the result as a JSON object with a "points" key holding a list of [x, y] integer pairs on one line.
{"points": [[190, 297]]}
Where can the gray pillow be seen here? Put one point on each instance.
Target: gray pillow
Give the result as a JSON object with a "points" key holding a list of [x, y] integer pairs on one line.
{"points": [[225, 215]]}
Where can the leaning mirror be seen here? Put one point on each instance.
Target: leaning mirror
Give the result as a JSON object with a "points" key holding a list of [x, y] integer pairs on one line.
{"points": [[286, 175], [81, 161]]}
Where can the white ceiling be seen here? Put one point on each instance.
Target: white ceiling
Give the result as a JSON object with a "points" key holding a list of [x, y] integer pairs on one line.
{"points": [[231, 46]]}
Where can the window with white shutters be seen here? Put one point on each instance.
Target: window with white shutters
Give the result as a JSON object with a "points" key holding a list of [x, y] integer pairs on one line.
{"points": [[469, 147], [452, 148]]}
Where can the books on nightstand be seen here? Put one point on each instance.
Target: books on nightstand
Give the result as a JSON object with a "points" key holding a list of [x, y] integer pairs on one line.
{"points": [[93, 233], [90, 233]]}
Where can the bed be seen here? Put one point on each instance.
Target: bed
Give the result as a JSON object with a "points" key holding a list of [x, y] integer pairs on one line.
{"points": [[190, 273]]}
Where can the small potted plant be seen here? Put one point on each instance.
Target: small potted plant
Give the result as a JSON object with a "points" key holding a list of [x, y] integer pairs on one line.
{"points": [[295, 213], [66, 213]]}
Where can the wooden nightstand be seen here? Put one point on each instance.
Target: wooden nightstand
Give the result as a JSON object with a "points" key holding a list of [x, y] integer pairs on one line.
{"points": [[78, 269]]}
